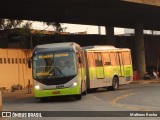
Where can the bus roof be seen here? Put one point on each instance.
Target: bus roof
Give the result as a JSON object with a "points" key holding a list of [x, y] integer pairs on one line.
{"points": [[57, 45], [102, 47]]}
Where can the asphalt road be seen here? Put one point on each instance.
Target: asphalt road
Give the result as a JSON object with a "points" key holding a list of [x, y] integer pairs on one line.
{"points": [[134, 97]]}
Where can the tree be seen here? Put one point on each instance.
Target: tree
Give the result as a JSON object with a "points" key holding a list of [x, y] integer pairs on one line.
{"points": [[9, 23], [25, 29], [56, 25]]}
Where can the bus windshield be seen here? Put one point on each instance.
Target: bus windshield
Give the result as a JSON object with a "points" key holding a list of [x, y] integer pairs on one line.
{"points": [[54, 65]]}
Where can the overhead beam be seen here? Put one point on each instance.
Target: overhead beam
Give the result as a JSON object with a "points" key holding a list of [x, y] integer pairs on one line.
{"points": [[116, 13], [147, 2]]}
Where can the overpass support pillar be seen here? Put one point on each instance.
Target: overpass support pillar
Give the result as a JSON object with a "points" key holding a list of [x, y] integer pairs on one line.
{"points": [[140, 50], [110, 35]]}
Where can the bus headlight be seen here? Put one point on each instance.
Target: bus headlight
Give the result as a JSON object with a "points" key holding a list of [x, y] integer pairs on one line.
{"points": [[37, 87], [74, 84]]}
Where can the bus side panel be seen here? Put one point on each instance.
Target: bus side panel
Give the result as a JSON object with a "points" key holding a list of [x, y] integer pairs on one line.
{"points": [[96, 74], [108, 71], [107, 68], [101, 76], [92, 76], [91, 70], [128, 70]]}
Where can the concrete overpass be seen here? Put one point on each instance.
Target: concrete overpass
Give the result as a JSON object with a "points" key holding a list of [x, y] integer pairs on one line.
{"points": [[138, 14], [147, 2], [120, 13]]}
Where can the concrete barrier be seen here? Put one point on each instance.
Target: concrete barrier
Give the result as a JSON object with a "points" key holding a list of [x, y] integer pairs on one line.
{"points": [[0, 101]]}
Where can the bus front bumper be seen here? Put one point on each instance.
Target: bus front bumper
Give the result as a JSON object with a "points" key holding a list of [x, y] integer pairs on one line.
{"points": [[57, 92]]}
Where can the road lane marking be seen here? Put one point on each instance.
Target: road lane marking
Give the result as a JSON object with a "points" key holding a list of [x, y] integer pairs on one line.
{"points": [[131, 107]]}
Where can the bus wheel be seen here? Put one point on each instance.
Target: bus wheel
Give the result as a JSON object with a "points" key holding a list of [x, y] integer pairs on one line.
{"points": [[115, 84], [78, 97]]}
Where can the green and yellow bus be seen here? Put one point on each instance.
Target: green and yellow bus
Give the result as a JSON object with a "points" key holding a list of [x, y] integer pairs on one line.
{"points": [[62, 69], [59, 70], [108, 67]]}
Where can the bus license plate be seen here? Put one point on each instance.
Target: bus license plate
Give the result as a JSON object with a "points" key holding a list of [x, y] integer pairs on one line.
{"points": [[56, 92]]}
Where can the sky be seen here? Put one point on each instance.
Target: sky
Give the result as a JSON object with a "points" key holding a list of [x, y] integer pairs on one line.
{"points": [[90, 29], [74, 28]]}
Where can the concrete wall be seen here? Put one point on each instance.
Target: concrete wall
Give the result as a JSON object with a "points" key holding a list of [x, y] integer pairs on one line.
{"points": [[13, 67], [0, 101]]}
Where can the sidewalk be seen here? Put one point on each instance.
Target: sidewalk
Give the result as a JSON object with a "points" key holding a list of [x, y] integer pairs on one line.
{"points": [[145, 81], [16, 94]]}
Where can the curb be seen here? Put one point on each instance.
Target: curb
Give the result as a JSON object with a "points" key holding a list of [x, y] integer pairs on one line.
{"points": [[145, 82]]}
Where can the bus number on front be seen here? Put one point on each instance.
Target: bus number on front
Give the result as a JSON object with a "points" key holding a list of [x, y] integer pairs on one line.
{"points": [[59, 86]]}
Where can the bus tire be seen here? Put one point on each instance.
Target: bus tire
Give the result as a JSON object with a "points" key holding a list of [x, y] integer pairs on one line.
{"points": [[79, 97], [115, 84]]}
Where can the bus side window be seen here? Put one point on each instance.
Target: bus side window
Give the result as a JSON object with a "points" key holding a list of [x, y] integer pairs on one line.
{"points": [[113, 59], [120, 59], [98, 59], [127, 58], [106, 59], [90, 59]]}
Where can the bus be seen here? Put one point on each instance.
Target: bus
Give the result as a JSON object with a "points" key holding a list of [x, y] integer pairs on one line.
{"points": [[59, 70], [108, 67], [63, 69]]}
